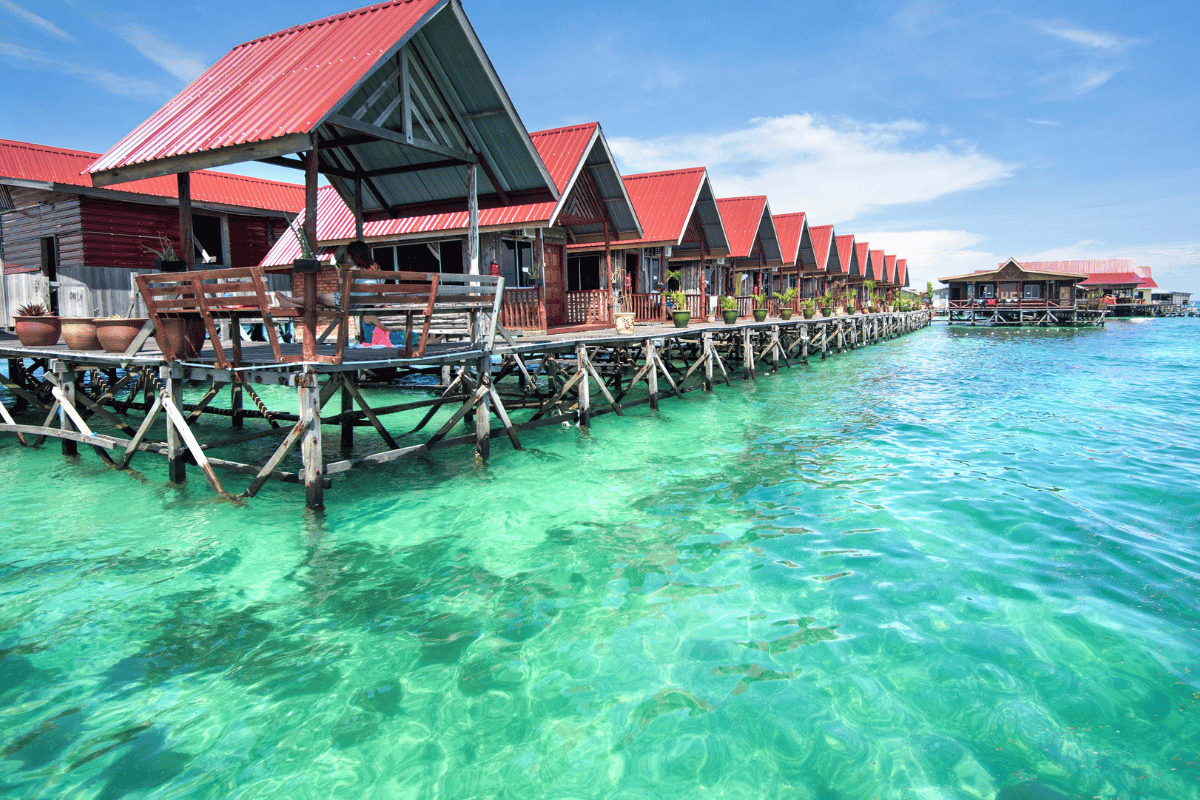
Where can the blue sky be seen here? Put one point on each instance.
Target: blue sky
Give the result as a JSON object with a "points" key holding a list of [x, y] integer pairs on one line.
{"points": [[956, 134]]}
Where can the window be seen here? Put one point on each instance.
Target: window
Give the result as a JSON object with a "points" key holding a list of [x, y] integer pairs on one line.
{"points": [[516, 262], [583, 273], [1033, 291], [421, 257], [207, 232], [986, 290]]}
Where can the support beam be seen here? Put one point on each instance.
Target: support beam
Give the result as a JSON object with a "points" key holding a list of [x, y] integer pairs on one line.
{"points": [[585, 394], [483, 419], [312, 165], [472, 220], [173, 391], [184, 183], [310, 444]]}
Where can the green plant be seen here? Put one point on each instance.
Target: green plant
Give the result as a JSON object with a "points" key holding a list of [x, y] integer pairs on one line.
{"points": [[673, 275], [759, 300], [166, 252], [869, 285], [33, 310], [806, 305], [827, 299], [727, 303], [786, 297], [306, 249], [678, 299]]}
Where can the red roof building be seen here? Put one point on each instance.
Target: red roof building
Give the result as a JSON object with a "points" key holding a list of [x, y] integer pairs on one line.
{"points": [[889, 270], [795, 242], [866, 264], [753, 241]]}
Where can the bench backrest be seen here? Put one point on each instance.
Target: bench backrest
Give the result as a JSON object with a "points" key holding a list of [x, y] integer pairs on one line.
{"points": [[426, 294], [217, 292]]}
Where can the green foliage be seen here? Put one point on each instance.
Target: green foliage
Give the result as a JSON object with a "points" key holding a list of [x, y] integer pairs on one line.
{"points": [[166, 252], [727, 303], [306, 249], [759, 299], [33, 310], [786, 297], [677, 299]]}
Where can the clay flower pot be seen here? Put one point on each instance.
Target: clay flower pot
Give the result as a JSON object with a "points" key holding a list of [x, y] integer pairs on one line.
{"points": [[40, 331], [116, 335], [184, 336], [80, 333]]}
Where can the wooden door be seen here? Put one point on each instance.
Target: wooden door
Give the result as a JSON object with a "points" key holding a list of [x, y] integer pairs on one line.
{"points": [[554, 273]]}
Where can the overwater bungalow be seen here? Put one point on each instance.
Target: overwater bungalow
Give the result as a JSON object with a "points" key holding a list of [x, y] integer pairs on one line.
{"points": [[1014, 295], [866, 266], [852, 270], [753, 248], [58, 231], [829, 265], [682, 230], [795, 244], [526, 243]]}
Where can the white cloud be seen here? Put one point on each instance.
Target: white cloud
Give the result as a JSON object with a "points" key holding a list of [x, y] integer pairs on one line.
{"points": [[39, 22], [121, 85], [1086, 38], [933, 254], [1043, 122], [183, 64], [835, 172], [1175, 265]]}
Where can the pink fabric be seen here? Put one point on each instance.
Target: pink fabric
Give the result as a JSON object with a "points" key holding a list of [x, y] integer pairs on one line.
{"points": [[380, 337]]}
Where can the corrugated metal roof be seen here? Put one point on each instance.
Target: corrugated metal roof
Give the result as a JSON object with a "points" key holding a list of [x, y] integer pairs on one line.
{"points": [[877, 262], [826, 253], [747, 222], [902, 271], [795, 241], [1112, 279], [265, 97], [862, 251], [665, 202], [847, 255], [1079, 267], [1147, 283], [24, 161], [889, 269]]}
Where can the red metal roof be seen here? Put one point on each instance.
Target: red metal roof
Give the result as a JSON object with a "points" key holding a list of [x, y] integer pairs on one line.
{"points": [[878, 264], [664, 202], [56, 165], [790, 228], [889, 269], [1112, 279], [1147, 283], [742, 217], [822, 239], [902, 271], [271, 87], [865, 264], [847, 256], [1079, 267]]}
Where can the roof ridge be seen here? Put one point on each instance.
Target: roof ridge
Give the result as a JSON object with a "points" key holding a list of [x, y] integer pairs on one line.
{"points": [[687, 171], [577, 127], [323, 21]]}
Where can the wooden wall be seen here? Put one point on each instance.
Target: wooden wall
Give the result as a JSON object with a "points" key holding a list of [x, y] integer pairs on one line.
{"points": [[40, 213]]}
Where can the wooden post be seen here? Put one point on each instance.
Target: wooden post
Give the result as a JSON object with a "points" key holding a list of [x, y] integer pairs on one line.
{"points": [[184, 182], [66, 384], [483, 419], [311, 175], [608, 276], [774, 348], [347, 408], [706, 339], [310, 444], [747, 354], [652, 374], [824, 340], [806, 331], [472, 220], [358, 208], [585, 387], [539, 259], [173, 389]]}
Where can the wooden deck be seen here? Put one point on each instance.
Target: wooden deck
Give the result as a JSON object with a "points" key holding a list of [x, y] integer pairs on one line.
{"points": [[124, 406]]}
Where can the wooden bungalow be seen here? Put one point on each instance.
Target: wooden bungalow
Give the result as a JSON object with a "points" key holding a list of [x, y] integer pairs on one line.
{"points": [[829, 264], [866, 265], [753, 247], [799, 258], [56, 230], [397, 105], [544, 289], [852, 270], [1013, 295], [682, 231]]}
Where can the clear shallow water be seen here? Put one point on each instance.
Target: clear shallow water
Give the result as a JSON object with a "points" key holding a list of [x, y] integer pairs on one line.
{"points": [[961, 564]]}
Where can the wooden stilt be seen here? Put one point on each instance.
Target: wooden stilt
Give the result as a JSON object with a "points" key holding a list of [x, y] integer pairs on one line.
{"points": [[652, 373], [483, 420], [748, 354], [66, 385], [347, 407], [310, 445], [172, 389], [706, 339], [585, 394]]}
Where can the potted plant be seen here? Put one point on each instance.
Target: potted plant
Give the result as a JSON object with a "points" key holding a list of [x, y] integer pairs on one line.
{"points": [[729, 309], [307, 262], [760, 308], [116, 333], [36, 326], [827, 303], [165, 259], [80, 333], [785, 299], [806, 308], [183, 335], [679, 311]]}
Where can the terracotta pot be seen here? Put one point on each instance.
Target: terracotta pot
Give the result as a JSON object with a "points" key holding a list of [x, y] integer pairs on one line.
{"points": [[116, 335], [184, 336], [80, 333], [38, 331]]}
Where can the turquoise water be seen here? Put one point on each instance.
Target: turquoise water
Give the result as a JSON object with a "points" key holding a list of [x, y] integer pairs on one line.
{"points": [[955, 565]]}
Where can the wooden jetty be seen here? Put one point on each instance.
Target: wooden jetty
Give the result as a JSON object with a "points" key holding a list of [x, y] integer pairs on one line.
{"points": [[127, 406]]}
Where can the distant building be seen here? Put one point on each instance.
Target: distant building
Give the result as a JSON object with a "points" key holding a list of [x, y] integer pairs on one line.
{"points": [[1015, 295]]}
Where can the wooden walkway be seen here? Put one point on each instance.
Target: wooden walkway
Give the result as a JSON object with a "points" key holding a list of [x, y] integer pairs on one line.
{"points": [[126, 406]]}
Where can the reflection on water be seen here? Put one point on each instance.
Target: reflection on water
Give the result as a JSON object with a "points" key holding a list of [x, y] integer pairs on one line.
{"points": [[931, 568]]}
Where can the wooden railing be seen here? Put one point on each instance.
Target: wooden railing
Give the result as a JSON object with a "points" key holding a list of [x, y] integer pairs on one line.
{"points": [[523, 309], [588, 307], [986, 304], [645, 307]]}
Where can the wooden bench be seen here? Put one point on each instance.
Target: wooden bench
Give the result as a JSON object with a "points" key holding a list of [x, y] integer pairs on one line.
{"points": [[467, 305], [210, 295]]}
